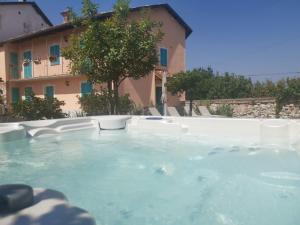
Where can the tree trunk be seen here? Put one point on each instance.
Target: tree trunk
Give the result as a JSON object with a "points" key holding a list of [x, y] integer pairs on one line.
{"points": [[191, 108], [110, 98], [116, 97]]}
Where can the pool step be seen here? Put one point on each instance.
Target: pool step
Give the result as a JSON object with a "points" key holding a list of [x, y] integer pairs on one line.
{"points": [[60, 129], [80, 126]]}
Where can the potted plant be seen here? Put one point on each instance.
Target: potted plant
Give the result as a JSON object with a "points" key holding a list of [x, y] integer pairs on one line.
{"points": [[37, 61], [52, 58], [26, 62]]}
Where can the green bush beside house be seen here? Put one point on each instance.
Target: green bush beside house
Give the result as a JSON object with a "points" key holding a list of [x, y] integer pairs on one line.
{"points": [[35, 108]]}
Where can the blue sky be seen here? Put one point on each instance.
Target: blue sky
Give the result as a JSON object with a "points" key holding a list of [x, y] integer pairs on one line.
{"points": [[242, 36]]}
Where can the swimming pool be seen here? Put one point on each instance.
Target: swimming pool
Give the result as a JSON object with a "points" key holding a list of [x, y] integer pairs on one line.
{"points": [[135, 177]]}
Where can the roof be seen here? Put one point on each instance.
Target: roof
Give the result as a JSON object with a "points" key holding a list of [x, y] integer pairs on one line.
{"points": [[34, 5], [67, 26]]}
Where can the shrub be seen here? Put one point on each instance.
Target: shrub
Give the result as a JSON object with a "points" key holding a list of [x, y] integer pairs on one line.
{"points": [[289, 94], [126, 105], [224, 110], [36, 108], [99, 103], [95, 103]]}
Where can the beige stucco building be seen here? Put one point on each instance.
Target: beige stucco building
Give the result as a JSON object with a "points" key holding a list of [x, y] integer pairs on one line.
{"points": [[25, 63], [21, 17]]}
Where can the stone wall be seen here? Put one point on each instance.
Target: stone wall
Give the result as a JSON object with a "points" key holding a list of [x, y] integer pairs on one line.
{"points": [[253, 107], [290, 111]]}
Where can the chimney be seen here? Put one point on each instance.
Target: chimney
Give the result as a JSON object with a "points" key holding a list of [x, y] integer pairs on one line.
{"points": [[66, 15]]}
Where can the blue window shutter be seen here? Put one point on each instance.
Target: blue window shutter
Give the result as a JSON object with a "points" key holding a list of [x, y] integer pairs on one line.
{"points": [[86, 88], [163, 57], [51, 50], [49, 92], [28, 92], [15, 93], [28, 68], [14, 69], [27, 55], [55, 51]]}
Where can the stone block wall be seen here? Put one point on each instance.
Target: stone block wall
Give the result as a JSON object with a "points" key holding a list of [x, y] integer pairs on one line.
{"points": [[253, 107], [290, 111]]}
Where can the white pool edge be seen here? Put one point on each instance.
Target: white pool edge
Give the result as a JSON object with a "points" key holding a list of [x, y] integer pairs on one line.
{"points": [[264, 131]]}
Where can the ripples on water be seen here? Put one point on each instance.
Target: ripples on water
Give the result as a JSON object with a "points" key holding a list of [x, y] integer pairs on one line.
{"points": [[134, 179]]}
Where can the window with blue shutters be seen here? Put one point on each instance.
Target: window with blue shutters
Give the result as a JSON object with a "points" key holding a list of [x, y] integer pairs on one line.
{"points": [[15, 95], [27, 64], [54, 55], [28, 93], [14, 70], [49, 92], [86, 88], [164, 57]]}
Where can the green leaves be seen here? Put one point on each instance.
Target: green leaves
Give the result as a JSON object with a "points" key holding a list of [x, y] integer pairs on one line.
{"points": [[98, 103], [195, 83], [289, 92], [89, 10], [204, 84], [111, 50], [116, 48], [38, 108]]}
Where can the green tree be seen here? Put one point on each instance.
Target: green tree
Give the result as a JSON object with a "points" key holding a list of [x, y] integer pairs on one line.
{"points": [[113, 49], [290, 93], [195, 84], [267, 88], [229, 86]]}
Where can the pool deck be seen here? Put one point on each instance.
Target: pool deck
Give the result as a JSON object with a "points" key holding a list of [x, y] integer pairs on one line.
{"points": [[50, 208]]}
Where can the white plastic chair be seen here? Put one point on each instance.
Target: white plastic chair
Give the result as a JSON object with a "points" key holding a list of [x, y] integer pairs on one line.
{"points": [[153, 111], [204, 111], [187, 111], [172, 111]]}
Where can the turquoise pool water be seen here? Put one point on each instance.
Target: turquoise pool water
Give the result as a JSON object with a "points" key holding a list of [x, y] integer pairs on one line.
{"points": [[139, 178]]}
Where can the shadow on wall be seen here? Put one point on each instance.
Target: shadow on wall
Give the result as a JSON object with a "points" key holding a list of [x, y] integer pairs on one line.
{"points": [[49, 208], [139, 90]]}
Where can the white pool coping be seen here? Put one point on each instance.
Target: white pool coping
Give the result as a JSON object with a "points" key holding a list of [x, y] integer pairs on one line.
{"points": [[262, 131], [15, 131]]}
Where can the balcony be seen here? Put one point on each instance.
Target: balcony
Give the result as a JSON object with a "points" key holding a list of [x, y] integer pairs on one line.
{"points": [[39, 78]]}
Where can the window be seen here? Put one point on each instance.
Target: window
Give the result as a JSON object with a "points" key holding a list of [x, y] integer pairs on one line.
{"points": [[14, 71], [27, 64], [49, 92], [54, 55], [28, 92], [15, 95], [164, 57], [86, 88]]}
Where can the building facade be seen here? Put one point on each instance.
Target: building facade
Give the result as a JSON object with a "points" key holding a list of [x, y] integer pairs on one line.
{"points": [[21, 17], [33, 63]]}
